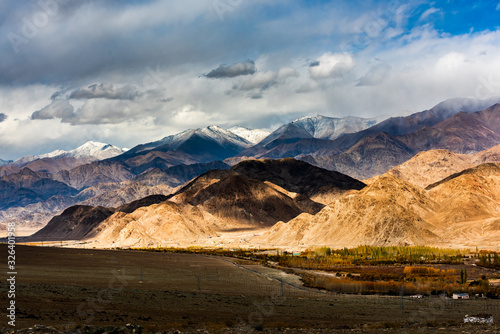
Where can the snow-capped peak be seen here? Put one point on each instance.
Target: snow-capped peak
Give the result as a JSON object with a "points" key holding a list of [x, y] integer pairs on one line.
{"points": [[304, 118], [4, 162], [219, 134], [331, 127], [254, 136], [96, 150], [212, 132], [90, 151]]}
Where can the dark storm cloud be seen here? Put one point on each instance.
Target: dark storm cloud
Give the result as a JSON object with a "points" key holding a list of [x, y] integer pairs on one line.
{"points": [[91, 112], [109, 112], [3, 117], [314, 63], [65, 48], [56, 95], [57, 109], [234, 70], [106, 91]]}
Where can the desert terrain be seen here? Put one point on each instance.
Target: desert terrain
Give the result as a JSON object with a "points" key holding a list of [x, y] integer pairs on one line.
{"points": [[71, 288]]}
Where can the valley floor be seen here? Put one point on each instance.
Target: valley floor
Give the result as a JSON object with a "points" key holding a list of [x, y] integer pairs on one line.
{"points": [[70, 288]]}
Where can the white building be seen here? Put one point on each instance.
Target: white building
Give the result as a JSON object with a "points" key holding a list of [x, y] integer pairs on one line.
{"points": [[461, 295]]}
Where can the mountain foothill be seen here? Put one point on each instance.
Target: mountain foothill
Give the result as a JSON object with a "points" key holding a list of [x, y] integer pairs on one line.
{"points": [[430, 178]]}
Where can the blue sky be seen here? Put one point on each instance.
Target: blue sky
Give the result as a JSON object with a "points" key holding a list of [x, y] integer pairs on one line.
{"points": [[128, 72], [461, 17]]}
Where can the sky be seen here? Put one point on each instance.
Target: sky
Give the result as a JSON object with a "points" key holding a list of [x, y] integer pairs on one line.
{"points": [[130, 72]]}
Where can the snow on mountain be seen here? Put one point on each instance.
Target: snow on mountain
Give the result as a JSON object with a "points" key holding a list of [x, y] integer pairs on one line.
{"points": [[286, 132], [4, 162], [254, 136], [330, 127], [320, 127], [211, 133], [97, 150], [452, 106], [220, 135], [90, 150]]}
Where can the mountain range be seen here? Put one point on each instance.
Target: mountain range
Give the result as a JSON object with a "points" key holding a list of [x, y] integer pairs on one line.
{"points": [[89, 151], [216, 201], [253, 136], [5, 162], [295, 186]]}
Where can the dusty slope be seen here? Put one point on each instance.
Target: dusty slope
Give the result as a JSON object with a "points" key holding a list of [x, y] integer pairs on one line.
{"points": [[369, 157], [104, 193], [469, 204], [432, 166], [469, 195], [242, 200], [127, 192], [78, 221], [300, 177], [349, 222], [384, 213], [156, 224], [217, 201], [74, 223], [462, 210], [94, 173]]}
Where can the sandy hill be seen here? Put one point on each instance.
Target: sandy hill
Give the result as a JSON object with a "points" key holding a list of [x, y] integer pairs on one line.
{"points": [[218, 200], [156, 224], [384, 213], [469, 204], [432, 166], [244, 200], [73, 224], [469, 195], [78, 221], [461, 210], [300, 177], [215, 202]]}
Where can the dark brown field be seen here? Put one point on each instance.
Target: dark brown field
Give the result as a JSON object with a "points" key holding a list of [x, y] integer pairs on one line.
{"points": [[67, 288]]}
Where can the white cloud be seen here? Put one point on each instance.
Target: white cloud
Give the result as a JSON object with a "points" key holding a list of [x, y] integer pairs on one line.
{"points": [[233, 70], [287, 72], [331, 65], [428, 12], [451, 61], [188, 117], [375, 75], [260, 80], [61, 109], [157, 50], [106, 91]]}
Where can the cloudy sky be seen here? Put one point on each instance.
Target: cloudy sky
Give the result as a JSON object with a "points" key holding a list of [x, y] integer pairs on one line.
{"points": [[129, 72]]}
